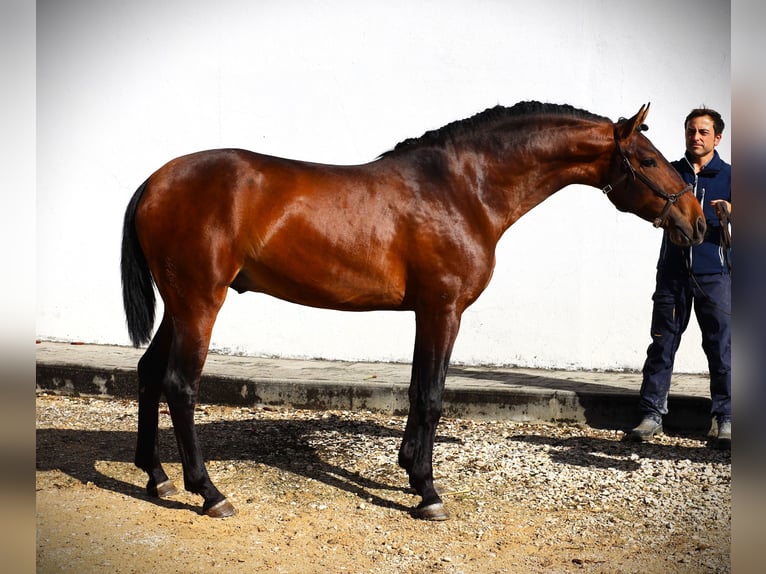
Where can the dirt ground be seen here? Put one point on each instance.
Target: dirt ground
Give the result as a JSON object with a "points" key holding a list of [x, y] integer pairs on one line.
{"points": [[321, 492]]}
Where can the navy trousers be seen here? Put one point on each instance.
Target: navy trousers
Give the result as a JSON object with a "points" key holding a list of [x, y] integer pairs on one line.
{"points": [[674, 298]]}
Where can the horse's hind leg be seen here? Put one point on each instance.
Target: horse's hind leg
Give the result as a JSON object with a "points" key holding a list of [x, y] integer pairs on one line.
{"points": [[188, 350], [151, 371]]}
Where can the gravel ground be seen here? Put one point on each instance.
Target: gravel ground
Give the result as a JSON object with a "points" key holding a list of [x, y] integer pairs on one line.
{"points": [[321, 491]]}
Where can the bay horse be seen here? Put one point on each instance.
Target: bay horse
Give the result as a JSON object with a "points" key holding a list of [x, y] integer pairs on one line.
{"points": [[414, 230]]}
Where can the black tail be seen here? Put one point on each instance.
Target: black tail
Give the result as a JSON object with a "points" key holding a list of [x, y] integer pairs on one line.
{"points": [[137, 283]]}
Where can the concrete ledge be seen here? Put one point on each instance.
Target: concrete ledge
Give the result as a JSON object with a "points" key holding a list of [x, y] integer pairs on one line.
{"points": [[607, 408]]}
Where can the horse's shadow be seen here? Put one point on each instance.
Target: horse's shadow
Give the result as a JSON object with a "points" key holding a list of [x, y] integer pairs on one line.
{"points": [[279, 443], [284, 444]]}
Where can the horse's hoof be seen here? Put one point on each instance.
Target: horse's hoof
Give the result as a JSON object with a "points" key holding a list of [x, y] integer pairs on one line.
{"points": [[221, 509], [162, 490], [434, 511]]}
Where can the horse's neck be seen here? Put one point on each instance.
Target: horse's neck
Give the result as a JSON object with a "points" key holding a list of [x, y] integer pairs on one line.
{"points": [[528, 174]]}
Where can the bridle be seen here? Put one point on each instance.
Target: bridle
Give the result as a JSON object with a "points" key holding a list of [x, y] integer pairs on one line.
{"points": [[628, 170]]}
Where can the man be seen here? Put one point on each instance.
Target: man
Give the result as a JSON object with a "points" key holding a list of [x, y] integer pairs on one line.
{"points": [[698, 277]]}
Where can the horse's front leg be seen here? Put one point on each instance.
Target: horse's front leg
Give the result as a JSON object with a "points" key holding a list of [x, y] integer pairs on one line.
{"points": [[434, 338]]}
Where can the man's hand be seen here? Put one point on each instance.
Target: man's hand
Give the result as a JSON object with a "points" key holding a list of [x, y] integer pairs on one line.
{"points": [[722, 209]]}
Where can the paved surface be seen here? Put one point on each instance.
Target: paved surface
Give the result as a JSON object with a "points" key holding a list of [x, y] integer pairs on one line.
{"points": [[600, 399]]}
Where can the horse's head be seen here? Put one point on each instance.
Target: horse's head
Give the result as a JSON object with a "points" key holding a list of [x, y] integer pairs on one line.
{"points": [[643, 182]]}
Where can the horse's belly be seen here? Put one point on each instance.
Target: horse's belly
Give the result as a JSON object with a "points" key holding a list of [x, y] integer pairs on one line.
{"points": [[316, 285]]}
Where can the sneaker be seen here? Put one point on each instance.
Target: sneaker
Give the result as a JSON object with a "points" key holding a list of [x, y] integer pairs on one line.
{"points": [[723, 438], [646, 430]]}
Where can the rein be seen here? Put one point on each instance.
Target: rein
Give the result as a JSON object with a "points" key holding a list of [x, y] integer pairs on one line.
{"points": [[633, 174]]}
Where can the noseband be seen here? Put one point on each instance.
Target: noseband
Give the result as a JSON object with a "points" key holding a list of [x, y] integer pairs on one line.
{"points": [[628, 170]]}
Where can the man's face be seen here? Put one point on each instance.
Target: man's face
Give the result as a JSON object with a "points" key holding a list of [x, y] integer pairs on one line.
{"points": [[701, 138]]}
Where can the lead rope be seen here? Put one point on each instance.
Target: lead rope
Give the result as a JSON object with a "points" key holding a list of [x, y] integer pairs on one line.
{"points": [[725, 217]]}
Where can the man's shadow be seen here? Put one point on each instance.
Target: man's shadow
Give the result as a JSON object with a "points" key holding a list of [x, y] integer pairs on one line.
{"points": [[623, 455], [279, 443]]}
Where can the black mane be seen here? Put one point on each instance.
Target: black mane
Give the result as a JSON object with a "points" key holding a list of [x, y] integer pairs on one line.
{"points": [[499, 113]]}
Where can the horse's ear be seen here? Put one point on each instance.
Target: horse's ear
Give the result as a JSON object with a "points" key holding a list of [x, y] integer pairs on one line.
{"points": [[636, 123]]}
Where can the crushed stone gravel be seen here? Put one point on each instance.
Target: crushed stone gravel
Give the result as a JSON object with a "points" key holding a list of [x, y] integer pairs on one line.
{"points": [[557, 497]]}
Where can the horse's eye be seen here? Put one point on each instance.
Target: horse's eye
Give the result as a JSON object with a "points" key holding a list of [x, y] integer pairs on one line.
{"points": [[648, 162]]}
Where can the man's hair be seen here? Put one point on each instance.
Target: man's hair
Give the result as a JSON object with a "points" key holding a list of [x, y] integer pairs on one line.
{"points": [[718, 124]]}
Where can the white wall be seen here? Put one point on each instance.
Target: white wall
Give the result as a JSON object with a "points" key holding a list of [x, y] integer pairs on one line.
{"points": [[125, 86]]}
